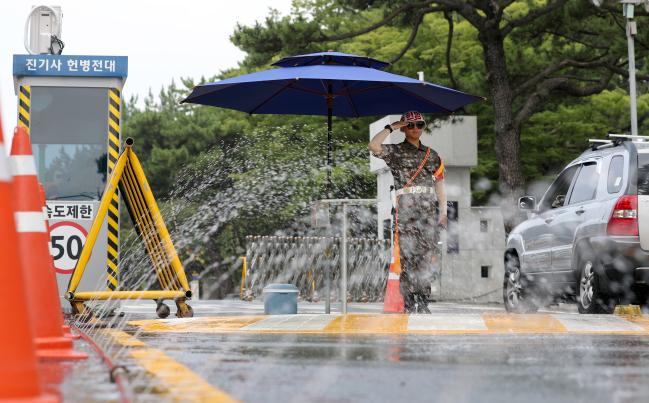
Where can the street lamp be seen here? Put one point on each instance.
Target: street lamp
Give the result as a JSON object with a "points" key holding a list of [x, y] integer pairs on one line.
{"points": [[628, 10]]}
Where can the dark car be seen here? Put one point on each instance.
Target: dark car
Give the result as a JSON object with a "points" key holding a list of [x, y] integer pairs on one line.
{"points": [[587, 239]]}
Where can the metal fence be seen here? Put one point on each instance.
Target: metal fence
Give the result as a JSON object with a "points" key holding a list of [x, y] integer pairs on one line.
{"points": [[309, 262]]}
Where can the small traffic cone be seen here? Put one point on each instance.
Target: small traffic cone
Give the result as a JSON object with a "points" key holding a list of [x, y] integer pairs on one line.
{"points": [[41, 191], [19, 378], [44, 306], [393, 301]]}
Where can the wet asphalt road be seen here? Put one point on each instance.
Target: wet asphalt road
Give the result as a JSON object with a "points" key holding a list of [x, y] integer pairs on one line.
{"points": [[416, 368]]}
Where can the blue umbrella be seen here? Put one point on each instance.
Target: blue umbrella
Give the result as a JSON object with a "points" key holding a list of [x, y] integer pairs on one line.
{"points": [[329, 83]]}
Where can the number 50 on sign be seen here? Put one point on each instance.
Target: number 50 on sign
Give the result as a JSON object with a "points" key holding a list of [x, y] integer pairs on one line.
{"points": [[66, 242]]}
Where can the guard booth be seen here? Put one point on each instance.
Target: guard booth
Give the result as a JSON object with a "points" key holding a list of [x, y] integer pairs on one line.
{"points": [[71, 106]]}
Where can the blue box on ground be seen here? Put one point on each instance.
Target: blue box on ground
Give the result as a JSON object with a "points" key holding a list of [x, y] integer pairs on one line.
{"points": [[280, 299]]}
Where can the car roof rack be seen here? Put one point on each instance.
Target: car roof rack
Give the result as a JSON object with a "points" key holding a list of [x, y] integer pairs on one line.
{"points": [[613, 140], [627, 137], [597, 144]]}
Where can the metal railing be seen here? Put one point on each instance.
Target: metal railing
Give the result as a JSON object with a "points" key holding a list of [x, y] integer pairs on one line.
{"points": [[313, 263]]}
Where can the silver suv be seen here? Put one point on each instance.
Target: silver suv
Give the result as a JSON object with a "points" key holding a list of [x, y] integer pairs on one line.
{"points": [[587, 239]]}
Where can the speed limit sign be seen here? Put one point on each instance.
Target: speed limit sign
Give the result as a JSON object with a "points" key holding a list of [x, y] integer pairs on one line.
{"points": [[66, 242]]}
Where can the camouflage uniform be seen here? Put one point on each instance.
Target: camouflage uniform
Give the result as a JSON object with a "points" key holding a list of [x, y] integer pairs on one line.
{"points": [[417, 217]]}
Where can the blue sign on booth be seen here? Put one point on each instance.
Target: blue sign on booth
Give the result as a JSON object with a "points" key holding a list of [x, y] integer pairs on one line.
{"points": [[70, 66]]}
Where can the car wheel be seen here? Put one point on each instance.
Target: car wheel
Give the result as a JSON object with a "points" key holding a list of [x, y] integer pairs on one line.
{"points": [[590, 297], [517, 296]]}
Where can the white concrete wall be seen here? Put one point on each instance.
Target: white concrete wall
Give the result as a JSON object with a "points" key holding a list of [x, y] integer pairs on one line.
{"points": [[461, 273], [458, 185]]}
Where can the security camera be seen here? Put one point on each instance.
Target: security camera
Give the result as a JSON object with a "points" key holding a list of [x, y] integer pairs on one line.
{"points": [[43, 30]]}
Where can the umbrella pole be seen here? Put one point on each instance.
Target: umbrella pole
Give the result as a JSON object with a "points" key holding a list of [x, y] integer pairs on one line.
{"points": [[330, 150], [330, 146], [328, 185]]}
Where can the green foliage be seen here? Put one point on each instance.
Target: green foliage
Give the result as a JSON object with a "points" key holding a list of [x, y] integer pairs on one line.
{"points": [[558, 135]]}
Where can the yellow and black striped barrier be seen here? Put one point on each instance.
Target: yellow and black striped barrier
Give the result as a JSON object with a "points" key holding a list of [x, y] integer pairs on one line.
{"points": [[24, 106], [112, 258], [128, 178]]}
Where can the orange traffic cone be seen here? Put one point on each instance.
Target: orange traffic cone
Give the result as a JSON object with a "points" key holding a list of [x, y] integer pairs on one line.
{"points": [[44, 307], [19, 379], [41, 191], [393, 301]]}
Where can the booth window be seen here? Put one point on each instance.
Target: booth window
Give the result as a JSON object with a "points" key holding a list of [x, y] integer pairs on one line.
{"points": [[68, 129]]}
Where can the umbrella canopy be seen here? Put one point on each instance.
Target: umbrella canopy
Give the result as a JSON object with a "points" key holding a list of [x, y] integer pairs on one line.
{"points": [[329, 83], [352, 92]]}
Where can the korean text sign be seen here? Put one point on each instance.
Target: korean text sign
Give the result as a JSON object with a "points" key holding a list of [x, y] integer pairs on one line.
{"points": [[70, 66]]}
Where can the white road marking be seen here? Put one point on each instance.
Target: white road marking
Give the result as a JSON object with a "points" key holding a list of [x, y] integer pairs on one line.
{"points": [[446, 322], [178, 321], [292, 322], [596, 323]]}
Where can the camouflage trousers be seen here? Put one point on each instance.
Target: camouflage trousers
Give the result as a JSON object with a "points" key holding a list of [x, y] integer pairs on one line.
{"points": [[419, 253]]}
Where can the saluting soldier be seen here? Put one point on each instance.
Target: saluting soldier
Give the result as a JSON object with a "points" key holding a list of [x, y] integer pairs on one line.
{"points": [[418, 173]]}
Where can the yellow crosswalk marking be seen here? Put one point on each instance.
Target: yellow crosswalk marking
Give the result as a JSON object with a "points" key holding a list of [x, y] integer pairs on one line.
{"points": [[368, 324], [504, 323], [487, 323]]}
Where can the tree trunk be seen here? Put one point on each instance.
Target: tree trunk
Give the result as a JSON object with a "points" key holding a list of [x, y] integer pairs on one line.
{"points": [[507, 133], [501, 94]]}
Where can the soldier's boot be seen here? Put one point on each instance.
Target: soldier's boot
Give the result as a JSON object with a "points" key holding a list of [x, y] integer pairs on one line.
{"points": [[422, 304], [409, 302]]}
